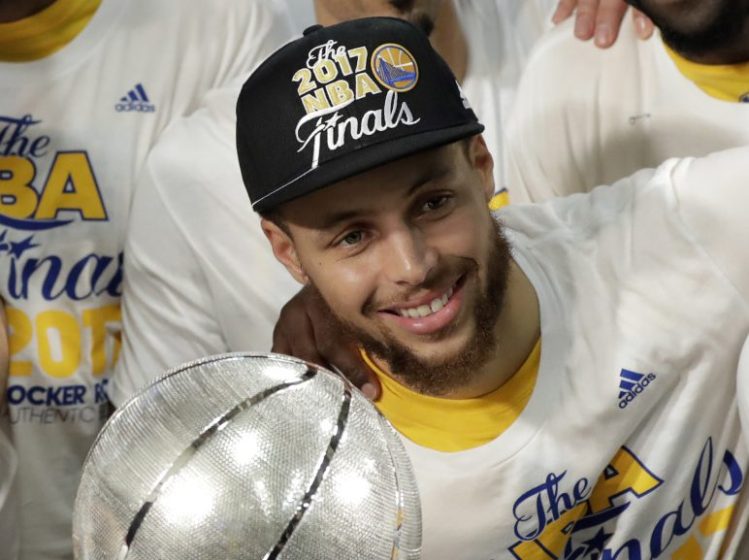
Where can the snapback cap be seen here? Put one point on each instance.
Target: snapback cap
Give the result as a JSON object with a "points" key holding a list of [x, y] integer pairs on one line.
{"points": [[341, 100]]}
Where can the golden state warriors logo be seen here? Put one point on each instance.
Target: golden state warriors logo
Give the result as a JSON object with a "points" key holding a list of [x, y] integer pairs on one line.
{"points": [[395, 67]]}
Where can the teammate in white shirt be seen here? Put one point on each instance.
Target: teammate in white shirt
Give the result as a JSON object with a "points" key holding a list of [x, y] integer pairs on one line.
{"points": [[564, 374], [86, 88], [681, 93]]}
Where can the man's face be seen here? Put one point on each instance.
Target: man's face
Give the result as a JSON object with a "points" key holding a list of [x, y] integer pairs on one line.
{"points": [[408, 259], [420, 12], [697, 27]]}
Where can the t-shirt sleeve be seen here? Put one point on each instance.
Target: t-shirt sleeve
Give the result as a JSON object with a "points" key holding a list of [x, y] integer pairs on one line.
{"points": [[239, 34], [200, 277], [713, 198], [571, 127], [548, 125]]}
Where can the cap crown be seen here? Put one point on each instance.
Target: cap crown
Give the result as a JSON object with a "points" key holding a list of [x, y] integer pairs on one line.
{"points": [[341, 100]]}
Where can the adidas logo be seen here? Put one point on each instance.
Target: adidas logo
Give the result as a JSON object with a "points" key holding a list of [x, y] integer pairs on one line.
{"points": [[135, 100], [632, 384]]}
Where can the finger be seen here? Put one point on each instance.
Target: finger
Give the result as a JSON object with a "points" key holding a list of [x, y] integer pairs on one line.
{"points": [[280, 343], [643, 24], [351, 366], [585, 18], [564, 10], [281, 338], [609, 21]]}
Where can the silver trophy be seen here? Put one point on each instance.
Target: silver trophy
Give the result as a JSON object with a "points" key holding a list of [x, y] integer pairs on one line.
{"points": [[247, 456]]}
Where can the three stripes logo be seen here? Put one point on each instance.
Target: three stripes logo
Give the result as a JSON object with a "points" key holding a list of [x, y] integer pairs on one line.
{"points": [[135, 100], [632, 384]]}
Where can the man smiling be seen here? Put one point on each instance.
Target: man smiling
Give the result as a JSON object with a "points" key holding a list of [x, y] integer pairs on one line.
{"points": [[620, 440]]}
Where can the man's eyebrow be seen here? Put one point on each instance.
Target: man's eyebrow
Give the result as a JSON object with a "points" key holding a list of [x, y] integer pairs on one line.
{"points": [[335, 218], [432, 173], [438, 171]]}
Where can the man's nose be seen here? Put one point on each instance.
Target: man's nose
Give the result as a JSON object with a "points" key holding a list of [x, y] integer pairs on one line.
{"points": [[407, 258]]}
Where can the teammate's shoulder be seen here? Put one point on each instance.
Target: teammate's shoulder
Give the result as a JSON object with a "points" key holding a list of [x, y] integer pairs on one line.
{"points": [[210, 14], [559, 51]]}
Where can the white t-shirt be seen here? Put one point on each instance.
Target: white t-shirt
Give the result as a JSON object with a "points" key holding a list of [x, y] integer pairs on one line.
{"points": [[200, 277], [586, 116], [644, 308], [500, 36], [75, 128]]}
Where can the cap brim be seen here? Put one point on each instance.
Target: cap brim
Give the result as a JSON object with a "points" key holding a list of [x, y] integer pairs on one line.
{"points": [[358, 161]]}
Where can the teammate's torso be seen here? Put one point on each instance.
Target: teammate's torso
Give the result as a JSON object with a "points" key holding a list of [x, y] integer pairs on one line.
{"points": [[75, 129]]}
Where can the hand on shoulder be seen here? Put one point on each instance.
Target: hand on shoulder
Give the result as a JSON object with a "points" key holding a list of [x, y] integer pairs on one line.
{"points": [[302, 331], [601, 19]]}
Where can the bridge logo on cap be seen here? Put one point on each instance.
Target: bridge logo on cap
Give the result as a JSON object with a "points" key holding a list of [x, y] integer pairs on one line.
{"points": [[394, 67]]}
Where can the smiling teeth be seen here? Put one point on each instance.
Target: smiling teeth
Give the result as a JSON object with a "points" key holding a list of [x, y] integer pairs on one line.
{"points": [[425, 310]]}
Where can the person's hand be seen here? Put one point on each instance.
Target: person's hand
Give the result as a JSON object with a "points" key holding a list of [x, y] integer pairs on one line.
{"points": [[601, 19], [304, 331]]}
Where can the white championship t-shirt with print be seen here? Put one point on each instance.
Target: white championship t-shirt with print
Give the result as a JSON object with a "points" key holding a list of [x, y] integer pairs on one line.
{"points": [[630, 446], [75, 128]]}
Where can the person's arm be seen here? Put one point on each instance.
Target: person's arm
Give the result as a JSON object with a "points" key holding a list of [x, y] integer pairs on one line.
{"points": [[200, 278], [550, 140], [601, 19]]}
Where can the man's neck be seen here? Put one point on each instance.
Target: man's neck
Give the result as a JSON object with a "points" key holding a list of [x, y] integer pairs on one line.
{"points": [[14, 10]]}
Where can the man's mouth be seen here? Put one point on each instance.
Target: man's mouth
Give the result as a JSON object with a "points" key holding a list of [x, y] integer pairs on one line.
{"points": [[424, 310], [430, 314]]}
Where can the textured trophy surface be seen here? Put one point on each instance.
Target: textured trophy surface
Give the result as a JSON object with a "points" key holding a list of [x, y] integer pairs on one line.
{"points": [[247, 456]]}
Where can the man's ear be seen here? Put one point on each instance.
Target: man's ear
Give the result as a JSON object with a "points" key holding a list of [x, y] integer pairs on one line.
{"points": [[284, 249], [481, 160]]}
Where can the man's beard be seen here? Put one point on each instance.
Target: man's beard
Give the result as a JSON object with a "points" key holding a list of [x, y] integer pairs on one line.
{"points": [[721, 32], [442, 377]]}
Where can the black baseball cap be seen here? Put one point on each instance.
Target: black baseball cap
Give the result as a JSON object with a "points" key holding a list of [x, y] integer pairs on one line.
{"points": [[341, 100]]}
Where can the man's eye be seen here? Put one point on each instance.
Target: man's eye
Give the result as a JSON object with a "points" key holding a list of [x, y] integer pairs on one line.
{"points": [[351, 238], [435, 203]]}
